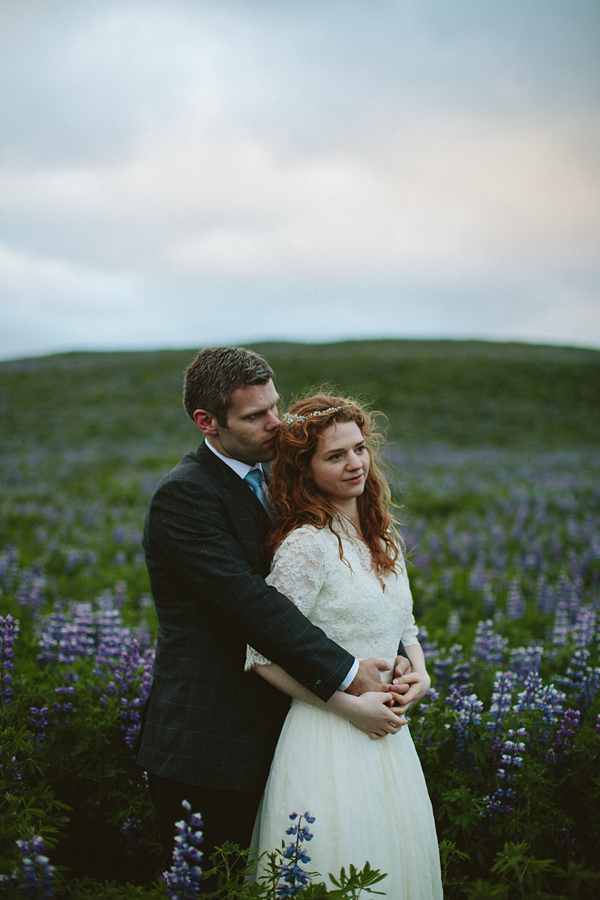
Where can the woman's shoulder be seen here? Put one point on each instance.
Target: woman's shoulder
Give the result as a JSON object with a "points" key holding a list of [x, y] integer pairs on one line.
{"points": [[307, 538]]}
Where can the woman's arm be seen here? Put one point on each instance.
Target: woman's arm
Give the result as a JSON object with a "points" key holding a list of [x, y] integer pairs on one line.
{"points": [[370, 712]]}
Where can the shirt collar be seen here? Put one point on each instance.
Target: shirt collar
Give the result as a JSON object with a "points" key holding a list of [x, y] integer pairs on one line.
{"points": [[240, 468]]}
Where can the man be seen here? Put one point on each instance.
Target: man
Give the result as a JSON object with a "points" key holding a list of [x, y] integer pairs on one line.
{"points": [[210, 728]]}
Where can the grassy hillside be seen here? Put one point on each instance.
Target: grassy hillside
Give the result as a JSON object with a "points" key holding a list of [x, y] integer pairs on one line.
{"points": [[455, 393]]}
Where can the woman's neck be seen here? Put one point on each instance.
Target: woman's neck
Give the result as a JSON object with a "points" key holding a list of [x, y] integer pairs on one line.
{"points": [[350, 511]]}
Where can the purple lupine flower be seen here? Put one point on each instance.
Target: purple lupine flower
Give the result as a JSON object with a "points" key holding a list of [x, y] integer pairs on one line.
{"points": [[429, 648], [584, 627], [501, 702], [489, 600], [132, 665], [544, 698], [133, 836], [295, 878], [31, 589], [515, 603], [544, 595], [468, 709], [444, 667], [9, 568], [467, 706], [126, 669], [488, 646], [523, 660], [560, 630], [510, 753], [67, 636], [130, 716], [460, 676], [37, 878], [75, 557], [38, 721], [82, 631], [581, 680], [9, 629], [62, 706], [431, 697], [478, 576], [565, 734], [184, 877]]}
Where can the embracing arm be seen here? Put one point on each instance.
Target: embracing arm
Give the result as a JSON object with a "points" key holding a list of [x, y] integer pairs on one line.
{"points": [[199, 542], [371, 712]]}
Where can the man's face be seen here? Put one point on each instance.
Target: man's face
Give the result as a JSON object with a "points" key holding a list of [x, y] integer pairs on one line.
{"points": [[252, 424]]}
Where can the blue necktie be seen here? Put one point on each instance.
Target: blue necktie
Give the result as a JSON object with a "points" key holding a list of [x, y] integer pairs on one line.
{"points": [[254, 480]]}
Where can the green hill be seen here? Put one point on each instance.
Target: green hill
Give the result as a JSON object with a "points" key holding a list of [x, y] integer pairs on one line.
{"points": [[454, 393]]}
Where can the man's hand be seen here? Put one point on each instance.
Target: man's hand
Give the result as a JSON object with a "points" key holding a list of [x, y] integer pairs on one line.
{"points": [[368, 678]]}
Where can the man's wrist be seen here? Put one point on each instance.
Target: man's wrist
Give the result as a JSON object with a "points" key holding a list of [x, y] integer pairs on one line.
{"points": [[349, 677]]}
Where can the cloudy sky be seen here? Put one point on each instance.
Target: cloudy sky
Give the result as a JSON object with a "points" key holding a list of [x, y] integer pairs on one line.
{"points": [[177, 173]]}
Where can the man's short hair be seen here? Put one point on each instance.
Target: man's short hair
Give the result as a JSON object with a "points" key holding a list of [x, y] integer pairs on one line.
{"points": [[215, 373]]}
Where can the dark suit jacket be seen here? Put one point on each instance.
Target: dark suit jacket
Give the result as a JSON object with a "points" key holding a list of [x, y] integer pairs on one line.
{"points": [[207, 722]]}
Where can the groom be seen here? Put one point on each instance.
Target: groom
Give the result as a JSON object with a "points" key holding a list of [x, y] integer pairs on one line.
{"points": [[210, 728]]}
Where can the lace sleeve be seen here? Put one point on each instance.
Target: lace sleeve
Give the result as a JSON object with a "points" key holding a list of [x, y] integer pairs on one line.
{"points": [[298, 572], [410, 632], [410, 635]]}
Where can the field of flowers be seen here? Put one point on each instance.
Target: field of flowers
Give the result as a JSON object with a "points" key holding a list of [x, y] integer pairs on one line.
{"points": [[505, 569]]}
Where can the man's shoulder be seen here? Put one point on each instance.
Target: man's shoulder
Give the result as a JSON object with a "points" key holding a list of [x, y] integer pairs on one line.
{"points": [[198, 470]]}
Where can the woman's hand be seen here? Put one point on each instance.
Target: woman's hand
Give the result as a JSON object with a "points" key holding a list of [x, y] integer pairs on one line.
{"points": [[411, 688], [371, 712]]}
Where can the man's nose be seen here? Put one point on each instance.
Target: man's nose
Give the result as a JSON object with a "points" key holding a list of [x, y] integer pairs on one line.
{"points": [[274, 421]]}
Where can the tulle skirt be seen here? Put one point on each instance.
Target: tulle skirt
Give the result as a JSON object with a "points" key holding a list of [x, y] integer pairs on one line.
{"points": [[369, 798]]}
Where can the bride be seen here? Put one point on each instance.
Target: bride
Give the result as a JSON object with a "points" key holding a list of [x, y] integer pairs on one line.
{"points": [[351, 761]]}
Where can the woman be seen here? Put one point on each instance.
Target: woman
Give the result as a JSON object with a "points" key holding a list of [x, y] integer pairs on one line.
{"points": [[349, 761]]}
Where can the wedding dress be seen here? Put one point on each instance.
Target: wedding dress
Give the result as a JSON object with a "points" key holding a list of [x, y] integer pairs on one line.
{"points": [[369, 797]]}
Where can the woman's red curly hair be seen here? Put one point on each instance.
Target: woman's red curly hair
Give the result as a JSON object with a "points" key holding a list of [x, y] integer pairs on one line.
{"points": [[297, 499]]}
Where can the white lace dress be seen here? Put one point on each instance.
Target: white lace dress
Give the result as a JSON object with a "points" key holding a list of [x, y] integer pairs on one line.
{"points": [[369, 797]]}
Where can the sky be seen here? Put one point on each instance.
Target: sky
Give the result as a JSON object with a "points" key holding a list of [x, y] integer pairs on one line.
{"points": [[185, 173]]}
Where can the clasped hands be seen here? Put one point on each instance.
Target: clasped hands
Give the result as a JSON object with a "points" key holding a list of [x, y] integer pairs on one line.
{"points": [[380, 706]]}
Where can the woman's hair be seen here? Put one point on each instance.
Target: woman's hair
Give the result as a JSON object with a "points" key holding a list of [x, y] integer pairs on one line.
{"points": [[297, 499]]}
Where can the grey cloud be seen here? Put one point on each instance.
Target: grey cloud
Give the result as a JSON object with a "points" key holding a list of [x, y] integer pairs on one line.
{"points": [[428, 167]]}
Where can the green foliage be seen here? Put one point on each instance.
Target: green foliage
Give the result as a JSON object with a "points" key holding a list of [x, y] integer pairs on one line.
{"points": [[497, 469]]}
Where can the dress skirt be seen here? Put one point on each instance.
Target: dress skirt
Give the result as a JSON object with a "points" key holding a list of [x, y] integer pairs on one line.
{"points": [[369, 799]]}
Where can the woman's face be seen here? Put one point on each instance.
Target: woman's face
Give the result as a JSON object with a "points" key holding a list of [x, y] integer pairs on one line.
{"points": [[340, 464]]}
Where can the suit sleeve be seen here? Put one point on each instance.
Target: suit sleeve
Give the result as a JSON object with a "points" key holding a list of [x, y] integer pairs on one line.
{"points": [[187, 530]]}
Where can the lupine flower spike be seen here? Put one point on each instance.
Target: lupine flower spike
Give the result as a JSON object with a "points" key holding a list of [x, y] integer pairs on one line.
{"points": [[184, 877], [295, 878]]}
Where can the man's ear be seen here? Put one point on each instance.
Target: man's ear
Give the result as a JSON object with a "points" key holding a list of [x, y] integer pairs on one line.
{"points": [[206, 422]]}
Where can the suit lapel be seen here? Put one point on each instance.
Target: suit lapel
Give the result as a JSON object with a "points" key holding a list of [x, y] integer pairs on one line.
{"points": [[230, 481]]}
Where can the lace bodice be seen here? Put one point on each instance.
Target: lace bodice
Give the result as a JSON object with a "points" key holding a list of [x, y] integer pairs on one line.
{"points": [[364, 613]]}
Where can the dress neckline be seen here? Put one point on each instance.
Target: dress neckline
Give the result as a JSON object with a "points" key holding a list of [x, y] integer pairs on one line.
{"points": [[357, 537]]}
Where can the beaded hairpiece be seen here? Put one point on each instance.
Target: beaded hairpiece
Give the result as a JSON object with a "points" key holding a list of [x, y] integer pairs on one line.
{"points": [[289, 419]]}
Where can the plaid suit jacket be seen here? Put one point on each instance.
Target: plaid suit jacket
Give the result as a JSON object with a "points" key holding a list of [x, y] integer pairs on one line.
{"points": [[207, 722]]}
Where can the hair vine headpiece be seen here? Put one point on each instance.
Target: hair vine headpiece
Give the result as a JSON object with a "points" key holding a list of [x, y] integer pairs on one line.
{"points": [[289, 419]]}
